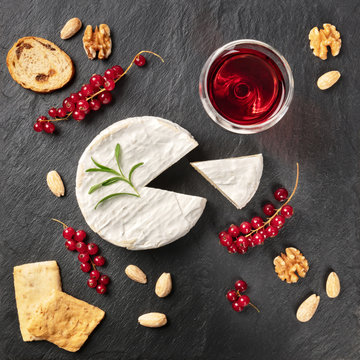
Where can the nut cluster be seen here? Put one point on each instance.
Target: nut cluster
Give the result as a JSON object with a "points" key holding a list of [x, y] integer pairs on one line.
{"points": [[321, 39]]}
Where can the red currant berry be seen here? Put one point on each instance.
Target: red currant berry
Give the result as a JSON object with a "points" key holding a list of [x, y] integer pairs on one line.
{"points": [[263, 233], [271, 231], [96, 81], [251, 242], [83, 257], [81, 95], [281, 194], [109, 74], [232, 249], [231, 295], [234, 231], [104, 279], [41, 118], [83, 105], [258, 239], [95, 104], [225, 239], [38, 126], [105, 97], [92, 283], [81, 247], [92, 248], [87, 90], [109, 84], [256, 222], [68, 105], [68, 233], [70, 245], [118, 70], [140, 60], [245, 227], [49, 127], [74, 97], [99, 260], [94, 274], [242, 250], [287, 211], [61, 112], [237, 306], [269, 209], [242, 242], [80, 235], [85, 267], [52, 112], [101, 289], [243, 300], [78, 115], [278, 221], [241, 285]]}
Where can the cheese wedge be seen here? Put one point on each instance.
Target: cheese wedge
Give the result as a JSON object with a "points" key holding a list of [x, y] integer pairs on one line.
{"points": [[236, 178], [33, 283], [157, 217]]}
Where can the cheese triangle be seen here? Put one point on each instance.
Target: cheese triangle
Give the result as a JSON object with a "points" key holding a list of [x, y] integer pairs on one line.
{"points": [[236, 178], [157, 217]]}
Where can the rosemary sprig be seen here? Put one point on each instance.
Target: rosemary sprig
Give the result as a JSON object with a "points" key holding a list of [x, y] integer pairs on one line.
{"points": [[119, 177]]}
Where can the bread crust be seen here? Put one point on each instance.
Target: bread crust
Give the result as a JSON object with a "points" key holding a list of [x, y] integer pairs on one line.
{"points": [[66, 77]]}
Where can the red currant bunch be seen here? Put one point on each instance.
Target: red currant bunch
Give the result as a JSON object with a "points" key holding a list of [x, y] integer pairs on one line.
{"points": [[75, 240], [90, 98], [237, 299], [238, 239]]}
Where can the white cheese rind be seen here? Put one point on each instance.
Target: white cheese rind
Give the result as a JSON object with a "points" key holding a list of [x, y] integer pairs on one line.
{"points": [[158, 217], [236, 178]]}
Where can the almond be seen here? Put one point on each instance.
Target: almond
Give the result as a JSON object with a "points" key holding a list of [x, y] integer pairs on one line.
{"points": [[70, 28], [307, 309], [163, 285], [153, 320], [327, 80], [332, 285], [136, 274], [55, 183]]}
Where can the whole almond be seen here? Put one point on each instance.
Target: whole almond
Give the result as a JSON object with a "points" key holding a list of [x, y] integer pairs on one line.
{"points": [[55, 183], [332, 285], [327, 80], [307, 309], [136, 274], [70, 28], [163, 285], [153, 320]]}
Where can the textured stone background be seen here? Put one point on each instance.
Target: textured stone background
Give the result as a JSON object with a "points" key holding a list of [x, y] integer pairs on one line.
{"points": [[321, 132]]}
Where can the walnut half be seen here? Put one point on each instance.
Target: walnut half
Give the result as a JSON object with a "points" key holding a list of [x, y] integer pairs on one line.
{"points": [[321, 39], [287, 265], [97, 41]]}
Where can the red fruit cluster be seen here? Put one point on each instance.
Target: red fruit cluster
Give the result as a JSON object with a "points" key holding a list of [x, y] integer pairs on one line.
{"points": [[249, 234], [75, 240], [239, 302], [90, 98]]}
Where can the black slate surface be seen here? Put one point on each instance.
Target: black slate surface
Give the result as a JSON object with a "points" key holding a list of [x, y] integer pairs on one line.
{"points": [[320, 131]]}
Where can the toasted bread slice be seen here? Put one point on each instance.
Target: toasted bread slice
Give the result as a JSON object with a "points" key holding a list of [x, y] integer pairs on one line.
{"points": [[39, 65]]}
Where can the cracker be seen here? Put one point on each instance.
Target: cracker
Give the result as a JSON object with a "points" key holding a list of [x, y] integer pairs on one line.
{"points": [[65, 321], [33, 282]]}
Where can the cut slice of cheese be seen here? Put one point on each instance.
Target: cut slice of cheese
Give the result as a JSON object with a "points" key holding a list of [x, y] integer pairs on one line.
{"points": [[157, 217], [236, 178]]}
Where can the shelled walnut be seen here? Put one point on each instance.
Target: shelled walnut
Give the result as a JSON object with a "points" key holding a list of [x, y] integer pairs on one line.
{"points": [[321, 39], [287, 265], [97, 41]]}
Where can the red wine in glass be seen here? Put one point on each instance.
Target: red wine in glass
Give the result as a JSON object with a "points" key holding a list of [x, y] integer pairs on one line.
{"points": [[245, 86]]}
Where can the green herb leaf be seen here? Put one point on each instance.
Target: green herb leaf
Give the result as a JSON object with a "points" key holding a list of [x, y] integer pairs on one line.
{"points": [[111, 171], [101, 166], [107, 183], [113, 195], [133, 169], [117, 155]]}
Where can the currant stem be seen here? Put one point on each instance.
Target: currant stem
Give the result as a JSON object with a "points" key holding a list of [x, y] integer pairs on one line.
{"points": [[60, 222], [279, 209], [255, 307], [103, 89]]}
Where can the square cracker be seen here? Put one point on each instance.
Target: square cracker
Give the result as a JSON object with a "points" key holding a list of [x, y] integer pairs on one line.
{"points": [[34, 282], [65, 321]]}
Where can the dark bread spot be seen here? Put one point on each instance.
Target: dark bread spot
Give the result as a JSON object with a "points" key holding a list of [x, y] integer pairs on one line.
{"points": [[52, 72], [41, 77], [48, 46], [27, 46], [20, 47]]}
